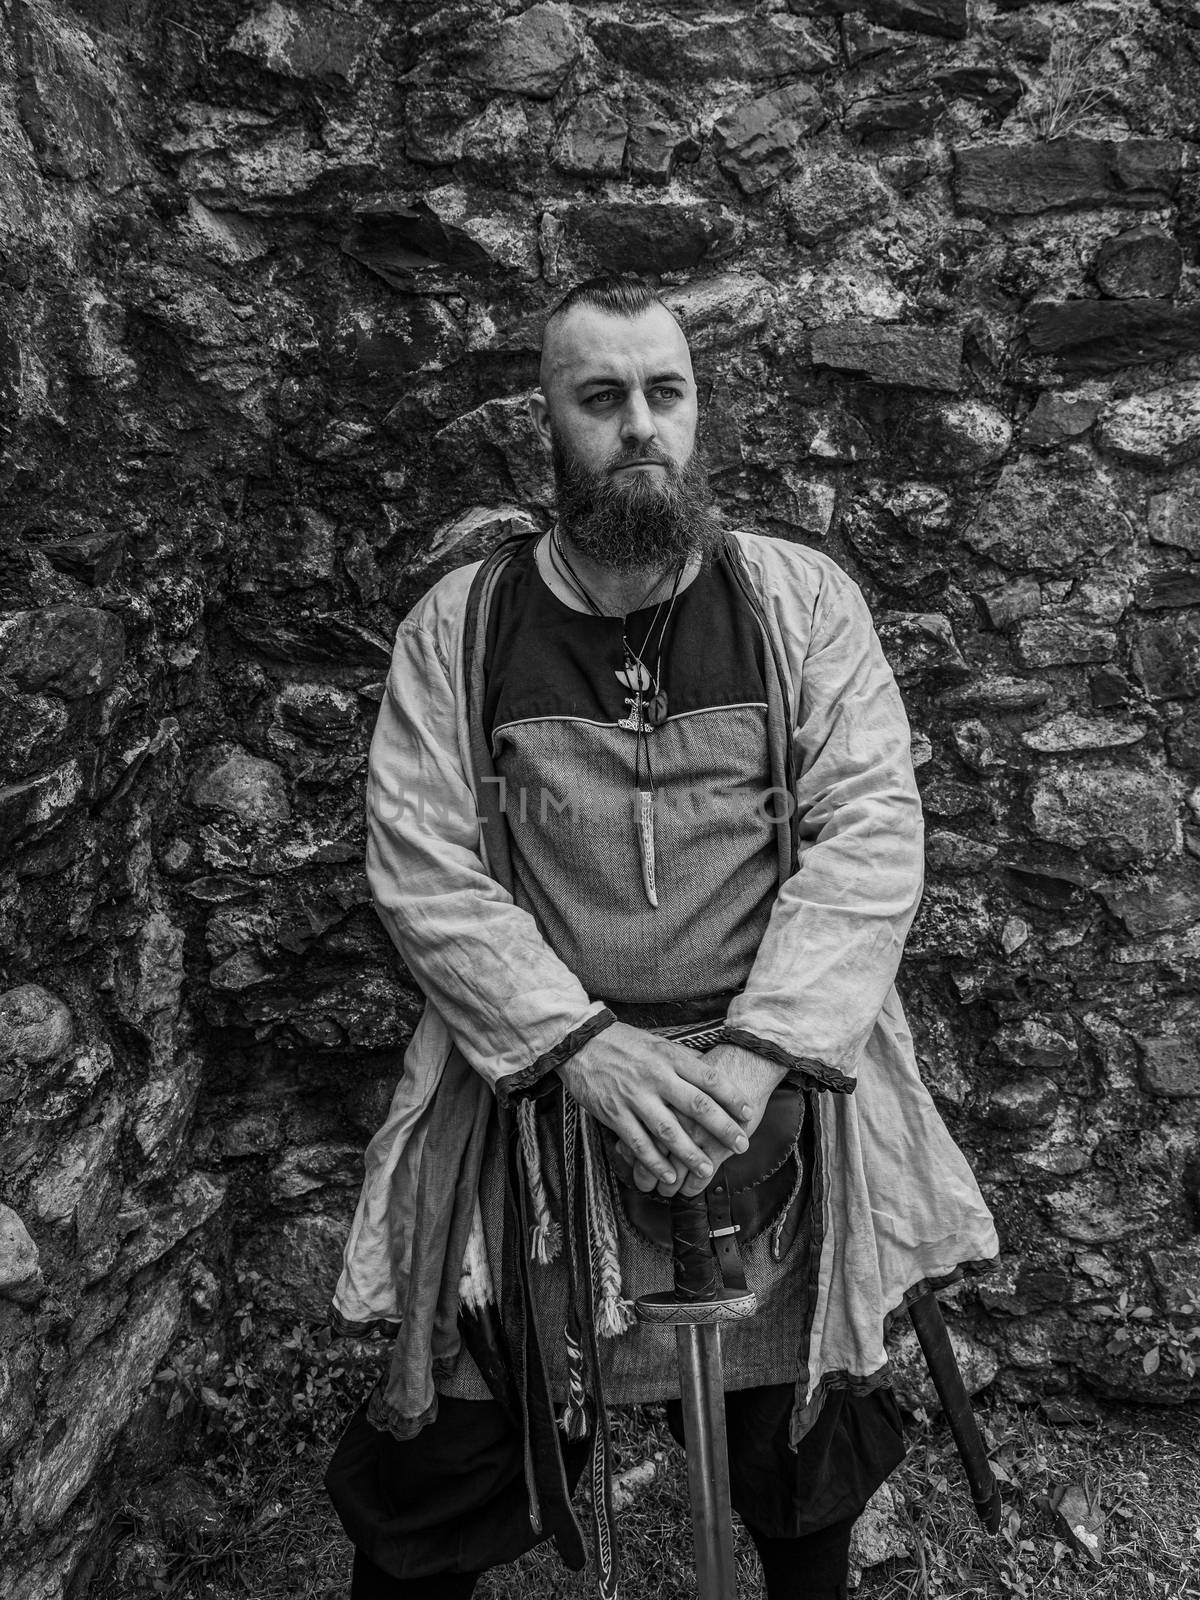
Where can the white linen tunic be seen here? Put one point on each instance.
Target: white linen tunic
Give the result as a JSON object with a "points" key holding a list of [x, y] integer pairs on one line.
{"points": [[899, 1209]]}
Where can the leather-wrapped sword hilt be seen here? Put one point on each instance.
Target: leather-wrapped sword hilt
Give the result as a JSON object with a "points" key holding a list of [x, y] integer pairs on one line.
{"points": [[699, 1295]]}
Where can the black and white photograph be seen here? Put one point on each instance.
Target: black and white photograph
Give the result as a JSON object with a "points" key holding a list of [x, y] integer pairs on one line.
{"points": [[599, 799]]}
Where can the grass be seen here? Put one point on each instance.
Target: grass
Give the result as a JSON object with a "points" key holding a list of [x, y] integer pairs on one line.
{"points": [[269, 1532], [1069, 90]]}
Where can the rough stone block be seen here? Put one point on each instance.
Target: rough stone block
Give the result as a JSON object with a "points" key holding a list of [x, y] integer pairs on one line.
{"points": [[745, 49], [1141, 263], [1016, 179], [298, 1263], [92, 1405], [1164, 591], [160, 1228], [1177, 1277], [18, 1393], [470, 537], [1174, 515], [1012, 602], [505, 148], [910, 1374], [296, 551], [81, 1175], [1094, 1211], [35, 1028], [1167, 657], [1183, 741], [955, 852], [1038, 519], [69, 98], [653, 141], [989, 83], [920, 642], [879, 1534], [1025, 1103], [20, 1264], [995, 692], [920, 358], [326, 44], [74, 651], [435, 122], [29, 810], [1058, 641], [722, 312], [1071, 731], [529, 54], [1033, 1045], [759, 142], [831, 196], [1159, 430], [1084, 337], [592, 141], [1057, 417], [433, 233], [233, 781], [1170, 1067], [893, 113], [1082, 806], [946, 18], [656, 236], [1156, 901]]}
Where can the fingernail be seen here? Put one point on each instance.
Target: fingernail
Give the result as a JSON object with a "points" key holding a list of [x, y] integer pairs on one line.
{"points": [[741, 1142], [704, 1168], [745, 1111], [667, 1175]]}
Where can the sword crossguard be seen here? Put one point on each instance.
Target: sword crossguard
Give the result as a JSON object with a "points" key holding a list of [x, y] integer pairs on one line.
{"points": [[731, 1305]]}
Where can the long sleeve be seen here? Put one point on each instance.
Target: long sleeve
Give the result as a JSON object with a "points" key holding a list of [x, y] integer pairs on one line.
{"points": [[512, 1007], [837, 929]]}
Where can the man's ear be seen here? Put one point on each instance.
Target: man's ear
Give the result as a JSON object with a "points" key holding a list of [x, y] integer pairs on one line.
{"points": [[539, 410]]}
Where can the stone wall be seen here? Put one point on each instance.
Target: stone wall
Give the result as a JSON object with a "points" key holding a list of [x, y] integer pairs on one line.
{"points": [[270, 281]]}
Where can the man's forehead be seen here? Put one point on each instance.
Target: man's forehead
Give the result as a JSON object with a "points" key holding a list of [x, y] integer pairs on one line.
{"points": [[588, 339]]}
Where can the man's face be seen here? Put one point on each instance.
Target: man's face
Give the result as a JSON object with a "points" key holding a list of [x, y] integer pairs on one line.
{"points": [[618, 412], [619, 390]]}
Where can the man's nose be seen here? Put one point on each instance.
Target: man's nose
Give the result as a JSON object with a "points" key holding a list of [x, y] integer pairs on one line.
{"points": [[637, 420]]}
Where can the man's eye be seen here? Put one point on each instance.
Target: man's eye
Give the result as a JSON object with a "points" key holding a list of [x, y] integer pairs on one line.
{"points": [[602, 397], [665, 392]]}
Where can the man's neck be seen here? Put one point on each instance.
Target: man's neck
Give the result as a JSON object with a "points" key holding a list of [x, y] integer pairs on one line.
{"points": [[618, 592]]}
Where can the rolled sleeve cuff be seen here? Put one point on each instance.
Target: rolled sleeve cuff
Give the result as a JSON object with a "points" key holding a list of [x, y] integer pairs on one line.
{"points": [[531, 1082], [801, 1070]]}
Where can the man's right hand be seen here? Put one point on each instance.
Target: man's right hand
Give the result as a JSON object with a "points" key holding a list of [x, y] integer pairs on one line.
{"points": [[644, 1088]]}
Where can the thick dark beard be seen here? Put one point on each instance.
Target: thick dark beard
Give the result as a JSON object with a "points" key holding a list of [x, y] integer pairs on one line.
{"points": [[657, 521]]}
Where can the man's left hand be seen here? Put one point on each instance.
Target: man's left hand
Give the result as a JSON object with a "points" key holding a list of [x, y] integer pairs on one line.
{"points": [[745, 1079]]}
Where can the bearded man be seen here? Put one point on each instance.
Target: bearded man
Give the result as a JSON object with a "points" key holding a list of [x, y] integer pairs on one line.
{"points": [[638, 785]]}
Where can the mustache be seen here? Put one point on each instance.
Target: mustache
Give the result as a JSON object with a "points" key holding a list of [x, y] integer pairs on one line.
{"points": [[637, 458]]}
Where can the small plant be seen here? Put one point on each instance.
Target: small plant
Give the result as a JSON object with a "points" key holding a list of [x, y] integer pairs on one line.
{"points": [[1069, 90], [1178, 1339]]}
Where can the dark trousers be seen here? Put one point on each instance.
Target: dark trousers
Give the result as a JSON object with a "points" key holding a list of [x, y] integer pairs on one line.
{"points": [[427, 1515], [814, 1567]]}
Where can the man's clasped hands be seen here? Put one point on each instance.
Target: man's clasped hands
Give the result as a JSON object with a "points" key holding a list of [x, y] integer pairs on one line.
{"points": [[677, 1114]]}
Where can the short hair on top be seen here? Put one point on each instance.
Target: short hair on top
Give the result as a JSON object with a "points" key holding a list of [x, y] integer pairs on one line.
{"points": [[615, 293]]}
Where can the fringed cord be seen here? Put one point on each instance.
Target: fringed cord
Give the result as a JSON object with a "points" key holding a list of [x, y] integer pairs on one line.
{"points": [[545, 1237], [614, 1313], [475, 1287]]}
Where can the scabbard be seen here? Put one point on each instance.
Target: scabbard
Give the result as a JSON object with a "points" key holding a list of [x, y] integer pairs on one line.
{"points": [[939, 1354]]}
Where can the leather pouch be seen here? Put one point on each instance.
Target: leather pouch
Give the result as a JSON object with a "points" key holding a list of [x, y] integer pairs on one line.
{"points": [[764, 1187]]}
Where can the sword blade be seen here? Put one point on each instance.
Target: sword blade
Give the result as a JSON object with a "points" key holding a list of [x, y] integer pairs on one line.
{"points": [[703, 1395]]}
